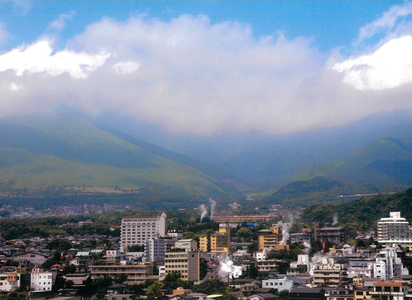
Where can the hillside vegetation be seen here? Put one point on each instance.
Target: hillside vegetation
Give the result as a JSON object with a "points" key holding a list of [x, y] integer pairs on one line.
{"points": [[38, 152], [361, 214], [323, 190]]}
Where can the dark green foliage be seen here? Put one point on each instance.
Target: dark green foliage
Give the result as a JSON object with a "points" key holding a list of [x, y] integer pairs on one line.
{"points": [[211, 286], [361, 214], [135, 248], [59, 245], [292, 253]]}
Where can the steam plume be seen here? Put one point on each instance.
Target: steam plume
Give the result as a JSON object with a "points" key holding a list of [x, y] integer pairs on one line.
{"points": [[227, 269], [335, 219], [212, 207], [285, 226], [203, 209]]}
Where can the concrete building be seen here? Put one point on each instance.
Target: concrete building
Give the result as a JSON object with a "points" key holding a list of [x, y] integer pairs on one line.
{"points": [[188, 244], [173, 235], [9, 281], [136, 274], [36, 259], [135, 231], [278, 283], [185, 262], [329, 272], [394, 230], [334, 235], [394, 290], [388, 265], [269, 238], [41, 281], [154, 250], [218, 242]]}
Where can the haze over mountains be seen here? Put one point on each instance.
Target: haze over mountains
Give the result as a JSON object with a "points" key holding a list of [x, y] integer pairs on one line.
{"points": [[40, 151], [377, 148]]}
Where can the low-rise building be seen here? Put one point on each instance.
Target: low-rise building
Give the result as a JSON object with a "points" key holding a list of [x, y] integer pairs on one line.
{"points": [[9, 281], [136, 274], [42, 281], [279, 283]]}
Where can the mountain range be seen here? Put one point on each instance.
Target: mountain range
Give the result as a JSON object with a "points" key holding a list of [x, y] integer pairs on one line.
{"points": [[40, 151]]}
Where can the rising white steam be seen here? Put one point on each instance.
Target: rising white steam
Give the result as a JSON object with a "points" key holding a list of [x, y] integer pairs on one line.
{"points": [[203, 209], [212, 207], [286, 226], [335, 220], [227, 269]]}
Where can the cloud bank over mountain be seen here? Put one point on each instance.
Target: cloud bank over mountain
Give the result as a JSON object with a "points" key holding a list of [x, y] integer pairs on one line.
{"points": [[190, 75]]}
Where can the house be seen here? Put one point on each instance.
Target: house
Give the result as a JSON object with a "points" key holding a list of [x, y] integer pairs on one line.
{"points": [[36, 259], [300, 293], [263, 297]]}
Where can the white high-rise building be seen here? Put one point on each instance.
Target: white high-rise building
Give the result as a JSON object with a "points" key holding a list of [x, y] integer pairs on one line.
{"points": [[135, 231], [154, 250], [394, 230]]}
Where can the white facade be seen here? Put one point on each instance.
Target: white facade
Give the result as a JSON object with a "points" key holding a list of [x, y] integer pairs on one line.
{"points": [[154, 250], [260, 255], [135, 231], [394, 230], [41, 281], [388, 265], [280, 284], [9, 281]]}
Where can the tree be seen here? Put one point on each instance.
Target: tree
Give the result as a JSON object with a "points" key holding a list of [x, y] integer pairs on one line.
{"points": [[244, 233], [154, 290], [171, 281]]}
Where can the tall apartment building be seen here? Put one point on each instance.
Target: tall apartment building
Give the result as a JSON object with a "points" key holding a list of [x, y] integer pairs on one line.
{"points": [[154, 250], [335, 235], [269, 238], [135, 231], [394, 230], [218, 242], [184, 262]]}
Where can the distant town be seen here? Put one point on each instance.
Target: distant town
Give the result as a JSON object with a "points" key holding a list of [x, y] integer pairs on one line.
{"points": [[227, 257]]}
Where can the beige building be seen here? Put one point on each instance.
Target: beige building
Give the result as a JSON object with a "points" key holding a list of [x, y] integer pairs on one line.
{"points": [[136, 274], [185, 262], [327, 272], [218, 242], [135, 231]]}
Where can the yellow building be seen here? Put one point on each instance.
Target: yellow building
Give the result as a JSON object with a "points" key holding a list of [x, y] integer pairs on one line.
{"points": [[218, 242], [269, 238]]}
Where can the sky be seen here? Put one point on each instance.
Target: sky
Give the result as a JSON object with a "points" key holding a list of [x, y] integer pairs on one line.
{"points": [[208, 67]]}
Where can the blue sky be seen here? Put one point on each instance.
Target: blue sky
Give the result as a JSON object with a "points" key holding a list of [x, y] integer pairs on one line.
{"points": [[330, 23], [207, 67]]}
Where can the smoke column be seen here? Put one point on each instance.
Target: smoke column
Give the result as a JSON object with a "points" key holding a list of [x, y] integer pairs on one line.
{"points": [[285, 229], [203, 209], [335, 219], [212, 208]]}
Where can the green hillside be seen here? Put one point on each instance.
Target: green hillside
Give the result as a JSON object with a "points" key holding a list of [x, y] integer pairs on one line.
{"points": [[317, 190], [383, 161], [42, 151], [361, 214]]}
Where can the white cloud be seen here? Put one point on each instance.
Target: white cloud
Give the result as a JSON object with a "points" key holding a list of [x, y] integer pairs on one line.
{"points": [[38, 58], [388, 67], [387, 22], [189, 75], [60, 23], [128, 67]]}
